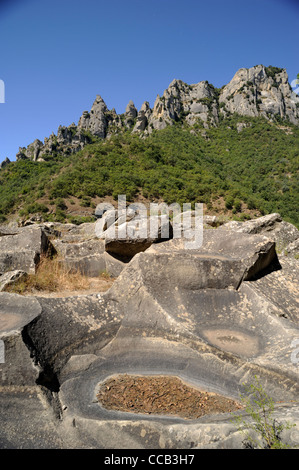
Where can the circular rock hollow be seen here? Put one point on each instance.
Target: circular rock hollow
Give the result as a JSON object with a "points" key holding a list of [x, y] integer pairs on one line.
{"points": [[163, 395], [233, 341]]}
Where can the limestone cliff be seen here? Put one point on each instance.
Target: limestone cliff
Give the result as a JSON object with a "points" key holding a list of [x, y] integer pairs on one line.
{"points": [[257, 91], [261, 91]]}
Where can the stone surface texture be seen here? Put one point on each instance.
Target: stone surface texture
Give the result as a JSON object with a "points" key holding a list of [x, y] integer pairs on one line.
{"points": [[216, 317]]}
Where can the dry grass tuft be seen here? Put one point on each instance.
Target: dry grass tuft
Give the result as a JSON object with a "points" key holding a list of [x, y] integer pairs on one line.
{"points": [[51, 276]]}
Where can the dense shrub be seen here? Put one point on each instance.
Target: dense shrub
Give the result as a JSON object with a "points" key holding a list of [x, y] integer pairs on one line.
{"points": [[257, 167]]}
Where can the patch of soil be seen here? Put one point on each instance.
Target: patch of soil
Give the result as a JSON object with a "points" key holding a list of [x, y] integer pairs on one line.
{"points": [[165, 395]]}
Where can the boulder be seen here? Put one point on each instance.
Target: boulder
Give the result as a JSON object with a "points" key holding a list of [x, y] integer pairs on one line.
{"points": [[102, 208], [249, 254], [282, 232], [178, 321], [16, 312], [132, 237], [10, 277], [22, 250], [215, 316], [85, 257], [293, 248]]}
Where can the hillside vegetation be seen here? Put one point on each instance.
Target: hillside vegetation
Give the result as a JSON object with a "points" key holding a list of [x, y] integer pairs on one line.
{"points": [[246, 173]]}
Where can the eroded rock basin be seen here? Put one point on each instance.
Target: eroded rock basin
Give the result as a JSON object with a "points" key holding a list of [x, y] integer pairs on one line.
{"points": [[163, 395], [179, 332]]}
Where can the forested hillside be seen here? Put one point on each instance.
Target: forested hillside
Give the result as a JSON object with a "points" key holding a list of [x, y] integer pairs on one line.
{"points": [[243, 167]]}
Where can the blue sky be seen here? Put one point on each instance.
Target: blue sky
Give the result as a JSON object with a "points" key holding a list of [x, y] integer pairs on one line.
{"points": [[56, 56]]}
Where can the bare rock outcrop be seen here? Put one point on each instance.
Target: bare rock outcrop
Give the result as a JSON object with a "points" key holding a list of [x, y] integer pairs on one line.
{"points": [[23, 249], [182, 101], [5, 163], [285, 234], [216, 317], [256, 91], [143, 117], [130, 114], [95, 121], [260, 91]]}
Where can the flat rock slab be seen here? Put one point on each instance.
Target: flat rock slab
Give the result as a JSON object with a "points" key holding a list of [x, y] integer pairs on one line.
{"points": [[78, 249], [147, 357], [16, 311], [27, 420], [272, 225], [75, 233], [134, 236], [22, 250], [250, 253], [87, 257], [10, 278], [70, 324], [281, 287], [206, 316]]}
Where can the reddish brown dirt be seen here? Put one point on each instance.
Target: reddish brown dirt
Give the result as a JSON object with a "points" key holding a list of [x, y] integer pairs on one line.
{"points": [[161, 395]]}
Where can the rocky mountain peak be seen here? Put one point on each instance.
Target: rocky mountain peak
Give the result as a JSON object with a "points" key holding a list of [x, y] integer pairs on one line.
{"points": [[260, 91], [256, 91], [130, 114]]}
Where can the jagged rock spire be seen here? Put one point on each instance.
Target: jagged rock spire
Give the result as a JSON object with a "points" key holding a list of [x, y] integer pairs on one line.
{"points": [[257, 91]]}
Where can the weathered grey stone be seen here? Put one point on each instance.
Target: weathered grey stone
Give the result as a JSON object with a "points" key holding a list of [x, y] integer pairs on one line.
{"points": [[259, 225], [79, 249], [23, 250], [9, 230], [130, 114], [87, 257], [28, 420], [181, 100], [293, 248], [136, 235], [143, 117], [16, 312], [215, 316], [283, 233], [210, 220], [257, 91], [96, 121], [102, 208], [281, 287], [71, 325], [5, 162], [251, 254], [254, 92], [113, 266], [10, 278]]}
